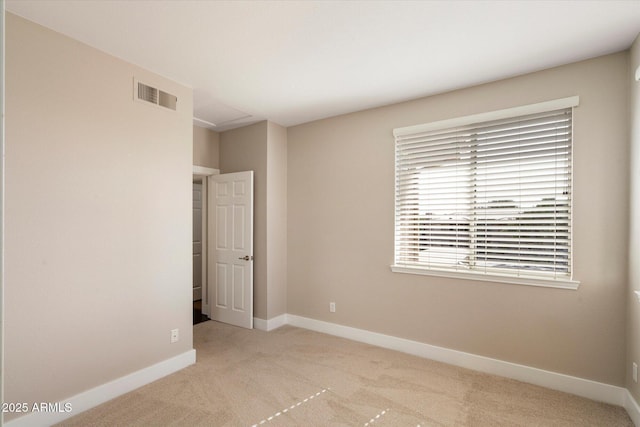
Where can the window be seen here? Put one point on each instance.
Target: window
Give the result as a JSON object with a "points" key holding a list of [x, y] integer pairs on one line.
{"points": [[487, 196]]}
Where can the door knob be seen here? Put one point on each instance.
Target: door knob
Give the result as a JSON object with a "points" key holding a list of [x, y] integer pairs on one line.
{"points": [[246, 258]]}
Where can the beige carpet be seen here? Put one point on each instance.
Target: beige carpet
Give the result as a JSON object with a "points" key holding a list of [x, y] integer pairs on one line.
{"points": [[295, 377]]}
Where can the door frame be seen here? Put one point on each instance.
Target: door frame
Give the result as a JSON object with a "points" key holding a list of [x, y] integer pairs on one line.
{"points": [[201, 173]]}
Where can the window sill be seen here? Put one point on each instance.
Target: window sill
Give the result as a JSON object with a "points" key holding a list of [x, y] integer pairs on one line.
{"points": [[527, 281]]}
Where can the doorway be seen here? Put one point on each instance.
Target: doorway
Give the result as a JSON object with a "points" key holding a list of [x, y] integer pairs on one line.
{"points": [[197, 248], [223, 246], [200, 288]]}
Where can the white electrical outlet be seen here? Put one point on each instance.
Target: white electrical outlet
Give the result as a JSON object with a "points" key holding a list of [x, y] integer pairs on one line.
{"points": [[332, 307], [635, 372], [175, 335]]}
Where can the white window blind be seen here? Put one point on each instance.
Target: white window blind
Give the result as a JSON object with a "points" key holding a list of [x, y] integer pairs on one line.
{"points": [[487, 197]]}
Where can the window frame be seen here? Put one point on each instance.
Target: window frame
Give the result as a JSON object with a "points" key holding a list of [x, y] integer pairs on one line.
{"points": [[567, 282]]}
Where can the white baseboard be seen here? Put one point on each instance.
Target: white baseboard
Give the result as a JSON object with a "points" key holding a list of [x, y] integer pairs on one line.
{"points": [[271, 324], [260, 324], [632, 408], [553, 380], [105, 392]]}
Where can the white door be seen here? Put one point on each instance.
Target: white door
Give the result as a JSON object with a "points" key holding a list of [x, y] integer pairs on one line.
{"points": [[197, 242], [231, 241]]}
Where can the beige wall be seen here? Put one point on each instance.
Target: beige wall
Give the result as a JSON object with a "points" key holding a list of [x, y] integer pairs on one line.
{"points": [[245, 149], [276, 220], [206, 148], [340, 232], [2, 31], [98, 218], [262, 148], [633, 307]]}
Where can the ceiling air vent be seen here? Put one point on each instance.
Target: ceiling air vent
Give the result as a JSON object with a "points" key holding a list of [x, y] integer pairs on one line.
{"points": [[155, 96]]}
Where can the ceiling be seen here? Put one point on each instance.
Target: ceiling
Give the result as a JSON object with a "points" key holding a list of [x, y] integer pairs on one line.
{"points": [[296, 61]]}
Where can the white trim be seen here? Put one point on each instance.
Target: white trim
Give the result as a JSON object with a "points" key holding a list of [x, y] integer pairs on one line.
{"points": [[276, 322], [102, 393], [260, 324], [581, 387], [540, 107], [203, 170], [200, 122], [528, 281], [632, 408], [271, 324]]}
